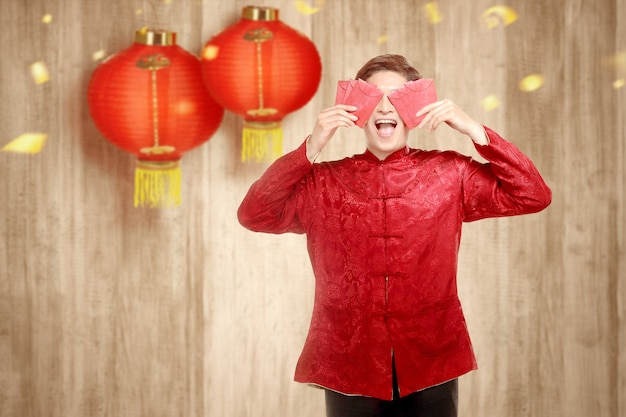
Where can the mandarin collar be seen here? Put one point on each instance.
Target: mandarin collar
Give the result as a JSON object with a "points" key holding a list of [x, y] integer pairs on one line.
{"points": [[395, 156]]}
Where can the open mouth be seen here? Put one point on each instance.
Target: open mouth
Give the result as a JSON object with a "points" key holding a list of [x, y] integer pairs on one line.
{"points": [[385, 127]]}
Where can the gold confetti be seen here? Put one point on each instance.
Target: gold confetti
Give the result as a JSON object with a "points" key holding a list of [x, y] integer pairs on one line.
{"points": [[620, 61], [210, 52], [47, 18], [30, 143], [496, 15], [304, 8], [490, 102], [432, 10], [382, 39], [138, 12], [39, 72], [531, 83], [98, 55], [616, 61]]}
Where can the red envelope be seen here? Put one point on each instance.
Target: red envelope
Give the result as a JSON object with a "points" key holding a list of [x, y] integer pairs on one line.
{"points": [[360, 94], [343, 87], [411, 97]]}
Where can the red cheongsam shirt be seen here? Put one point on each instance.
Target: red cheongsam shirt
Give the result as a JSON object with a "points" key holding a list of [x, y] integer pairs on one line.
{"points": [[383, 239]]}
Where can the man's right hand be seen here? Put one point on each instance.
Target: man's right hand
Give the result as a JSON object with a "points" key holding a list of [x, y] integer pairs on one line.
{"points": [[326, 124]]}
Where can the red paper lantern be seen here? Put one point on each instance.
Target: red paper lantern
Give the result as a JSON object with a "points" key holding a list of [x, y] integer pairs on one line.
{"points": [[150, 100], [261, 69]]}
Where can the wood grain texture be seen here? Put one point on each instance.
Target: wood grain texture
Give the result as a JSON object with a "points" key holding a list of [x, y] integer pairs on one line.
{"points": [[108, 310]]}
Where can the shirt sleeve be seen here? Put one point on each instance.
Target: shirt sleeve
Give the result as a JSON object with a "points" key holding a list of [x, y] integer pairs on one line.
{"points": [[271, 204], [508, 185]]}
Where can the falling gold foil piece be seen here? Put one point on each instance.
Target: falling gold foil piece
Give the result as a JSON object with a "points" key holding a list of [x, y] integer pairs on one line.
{"points": [[303, 7], [617, 62], [98, 55], [432, 11], [210, 52], [47, 18], [39, 72], [382, 39], [499, 15], [30, 143], [531, 83], [490, 102], [138, 12]]}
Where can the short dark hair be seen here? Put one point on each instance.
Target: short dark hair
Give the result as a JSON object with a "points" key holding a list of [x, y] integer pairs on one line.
{"points": [[388, 62]]}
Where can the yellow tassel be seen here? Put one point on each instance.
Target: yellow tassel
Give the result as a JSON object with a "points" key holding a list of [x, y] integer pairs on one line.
{"points": [[261, 142], [157, 184]]}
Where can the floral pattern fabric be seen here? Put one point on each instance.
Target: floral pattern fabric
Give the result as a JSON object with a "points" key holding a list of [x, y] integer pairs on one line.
{"points": [[383, 239]]}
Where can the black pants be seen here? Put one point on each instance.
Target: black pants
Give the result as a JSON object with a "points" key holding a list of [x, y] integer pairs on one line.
{"points": [[438, 401]]}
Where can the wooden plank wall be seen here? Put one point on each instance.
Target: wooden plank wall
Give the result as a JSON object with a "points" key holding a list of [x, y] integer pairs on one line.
{"points": [[108, 310]]}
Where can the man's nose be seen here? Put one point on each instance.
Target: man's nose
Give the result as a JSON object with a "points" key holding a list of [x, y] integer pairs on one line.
{"points": [[385, 105]]}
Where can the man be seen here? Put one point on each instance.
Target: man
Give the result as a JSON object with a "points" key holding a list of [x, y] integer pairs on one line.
{"points": [[387, 335]]}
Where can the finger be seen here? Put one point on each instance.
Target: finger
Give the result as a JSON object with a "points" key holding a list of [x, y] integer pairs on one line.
{"points": [[338, 120], [427, 108], [337, 114], [429, 111], [349, 120], [347, 107], [440, 115], [429, 117], [344, 107]]}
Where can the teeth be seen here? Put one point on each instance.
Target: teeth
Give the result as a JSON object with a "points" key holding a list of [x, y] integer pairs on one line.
{"points": [[381, 121]]}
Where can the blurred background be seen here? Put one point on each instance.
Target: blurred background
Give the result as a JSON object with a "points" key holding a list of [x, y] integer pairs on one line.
{"points": [[111, 310]]}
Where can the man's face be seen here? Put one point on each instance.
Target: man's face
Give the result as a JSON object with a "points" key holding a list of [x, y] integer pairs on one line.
{"points": [[385, 131]]}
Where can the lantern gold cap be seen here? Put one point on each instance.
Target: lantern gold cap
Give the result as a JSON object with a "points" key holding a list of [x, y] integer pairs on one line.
{"points": [[155, 37], [260, 13]]}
